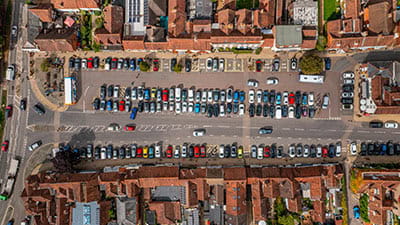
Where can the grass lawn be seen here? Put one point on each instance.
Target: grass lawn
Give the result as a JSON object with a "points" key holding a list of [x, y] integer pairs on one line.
{"points": [[330, 10], [247, 4]]}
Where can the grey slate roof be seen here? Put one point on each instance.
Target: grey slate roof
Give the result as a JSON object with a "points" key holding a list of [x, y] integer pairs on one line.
{"points": [[288, 35], [86, 214], [126, 211]]}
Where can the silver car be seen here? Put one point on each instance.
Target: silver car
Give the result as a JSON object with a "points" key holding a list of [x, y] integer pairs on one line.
{"points": [[116, 91]]}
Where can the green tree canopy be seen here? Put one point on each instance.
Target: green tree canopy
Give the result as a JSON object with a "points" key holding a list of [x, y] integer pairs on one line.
{"points": [[144, 66], [178, 68], [311, 64]]}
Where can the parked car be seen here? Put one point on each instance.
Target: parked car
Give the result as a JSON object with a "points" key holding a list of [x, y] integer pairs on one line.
{"points": [[293, 63], [265, 130], [348, 75], [327, 63], [209, 63], [188, 65], [8, 111], [393, 125], [252, 83], [356, 212], [4, 146], [275, 64], [272, 81], [199, 132], [35, 145], [258, 65], [353, 148], [375, 124]]}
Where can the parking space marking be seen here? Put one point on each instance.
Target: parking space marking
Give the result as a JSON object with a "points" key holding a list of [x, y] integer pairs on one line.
{"points": [[380, 132], [363, 131]]}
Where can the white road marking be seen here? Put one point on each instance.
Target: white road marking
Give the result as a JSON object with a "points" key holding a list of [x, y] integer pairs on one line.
{"points": [[298, 129], [285, 128], [363, 131], [331, 130], [380, 132], [223, 126], [207, 126]]}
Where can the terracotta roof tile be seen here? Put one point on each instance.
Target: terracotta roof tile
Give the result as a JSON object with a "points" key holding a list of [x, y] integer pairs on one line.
{"points": [[352, 8], [44, 12], [113, 18], [381, 21], [176, 17], [235, 198], [65, 41], [166, 212], [75, 4]]}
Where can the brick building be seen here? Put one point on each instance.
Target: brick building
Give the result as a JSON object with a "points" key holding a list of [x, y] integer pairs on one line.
{"points": [[169, 194]]}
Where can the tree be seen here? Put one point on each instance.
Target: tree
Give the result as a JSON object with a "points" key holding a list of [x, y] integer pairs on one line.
{"points": [[311, 64], [144, 66], [280, 208], [178, 68], [286, 220], [364, 208], [321, 43], [45, 65], [99, 22], [65, 161]]}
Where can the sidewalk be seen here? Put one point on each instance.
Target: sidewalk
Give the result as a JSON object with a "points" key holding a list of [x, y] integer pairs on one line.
{"points": [[42, 99]]}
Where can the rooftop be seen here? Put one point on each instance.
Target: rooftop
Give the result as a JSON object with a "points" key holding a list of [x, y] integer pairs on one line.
{"points": [[305, 12], [288, 35], [86, 213]]}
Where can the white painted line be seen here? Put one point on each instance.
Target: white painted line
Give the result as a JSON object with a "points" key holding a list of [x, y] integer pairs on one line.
{"points": [[223, 126], [298, 129], [395, 132], [285, 128], [380, 132], [207, 126], [331, 130], [363, 131]]}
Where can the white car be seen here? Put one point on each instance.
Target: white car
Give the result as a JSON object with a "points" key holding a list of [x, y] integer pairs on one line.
{"points": [[198, 96], [177, 151], [222, 95], [116, 91], [222, 110], [204, 96], [251, 96], [184, 107], [241, 109], [259, 96], [347, 95], [348, 75], [338, 149], [84, 64], [190, 107], [184, 151], [319, 151], [165, 106], [35, 145], [158, 151], [291, 112], [252, 83], [272, 81], [103, 153], [113, 127], [285, 97], [221, 152], [178, 109], [209, 63], [306, 151], [229, 95], [191, 95], [134, 94], [171, 94], [311, 99], [199, 132], [278, 113], [221, 65], [393, 125], [210, 95], [171, 106], [177, 94], [353, 148], [14, 31], [260, 152], [348, 81], [292, 151]]}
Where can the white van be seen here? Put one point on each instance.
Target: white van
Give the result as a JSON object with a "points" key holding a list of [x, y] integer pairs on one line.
{"points": [[103, 153], [325, 102], [260, 152], [10, 74], [278, 114], [191, 95]]}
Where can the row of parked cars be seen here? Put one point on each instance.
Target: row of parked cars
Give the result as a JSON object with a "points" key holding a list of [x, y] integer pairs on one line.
{"points": [[315, 151], [347, 97], [375, 148], [278, 112]]}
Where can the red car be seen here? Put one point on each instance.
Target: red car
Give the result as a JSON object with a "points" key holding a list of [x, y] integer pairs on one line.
{"points": [[114, 63], [155, 65], [165, 95], [90, 63], [121, 105], [8, 111], [130, 127], [139, 152], [196, 151], [4, 146], [203, 151], [324, 152], [267, 152], [168, 152], [258, 65], [291, 98]]}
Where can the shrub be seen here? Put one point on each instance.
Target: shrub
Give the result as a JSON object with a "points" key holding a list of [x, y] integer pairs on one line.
{"points": [[178, 68], [364, 208], [44, 66], [144, 66], [311, 64], [321, 43], [99, 22], [258, 51], [97, 13]]}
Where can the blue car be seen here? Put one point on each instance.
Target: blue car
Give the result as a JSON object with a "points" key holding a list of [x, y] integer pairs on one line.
{"points": [[133, 113], [147, 94], [109, 105], [242, 97], [236, 96], [327, 63], [278, 98], [383, 149], [151, 152], [356, 212], [197, 108], [132, 64], [304, 100]]}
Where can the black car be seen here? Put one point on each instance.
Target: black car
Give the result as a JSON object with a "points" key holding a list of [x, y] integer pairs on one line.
{"points": [[77, 64], [233, 151], [285, 111], [109, 151], [273, 150], [227, 151], [331, 151], [71, 62], [188, 65], [272, 97], [216, 110], [122, 153], [311, 112], [191, 151], [265, 110], [126, 63], [348, 88], [96, 62], [229, 108], [279, 152], [397, 149], [140, 106], [327, 63], [258, 109], [377, 148], [390, 148], [375, 124], [39, 109], [297, 98], [82, 153], [210, 110], [272, 111], [96, 104], [347, 100], [235, 108], [313, 151], [173, 64], [110, 91], [251, 110], [128, 92], [103, 91], [22, 104], [370, 149], [363, 149], [304, 111], [97, 152], [265, 97], [297, 111]]}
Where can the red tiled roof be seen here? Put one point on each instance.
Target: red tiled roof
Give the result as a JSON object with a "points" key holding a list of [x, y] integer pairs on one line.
{"points": [[44, 12], [308, 44], [352, 8], [226, 20], [66, 41], [107, 38], [113, 18], [166, 212], [235, 198], [381, 20], [75, 4], [176, 17]]}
